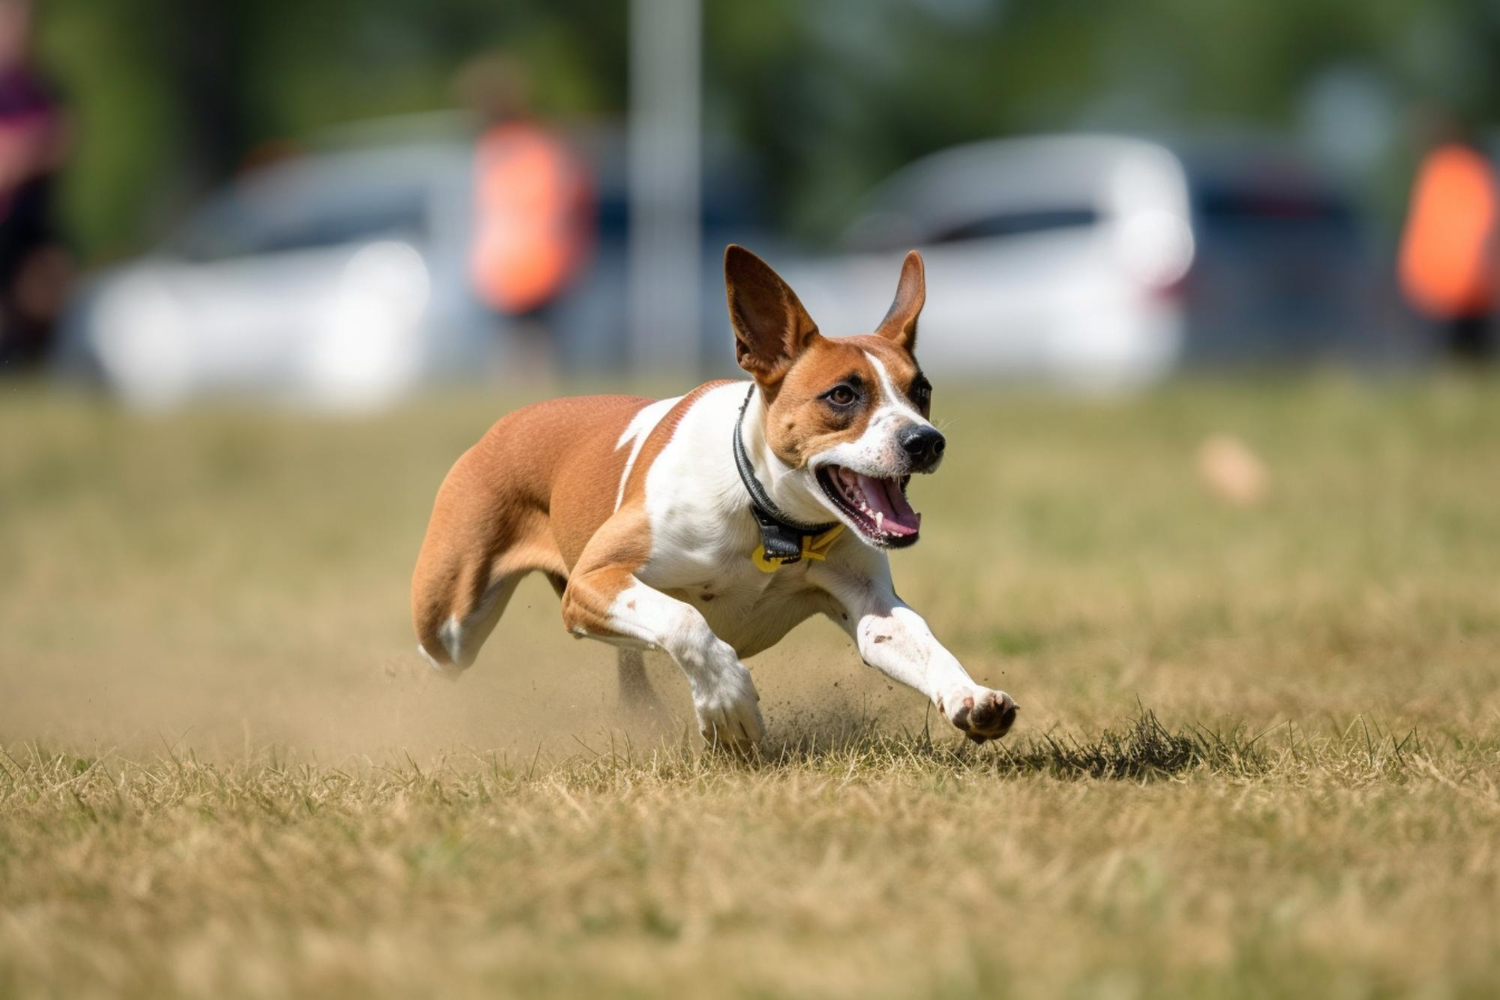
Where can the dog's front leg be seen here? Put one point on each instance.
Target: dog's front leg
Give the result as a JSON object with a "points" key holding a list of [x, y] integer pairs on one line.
{"points": [[610, 603], [895, 640]]}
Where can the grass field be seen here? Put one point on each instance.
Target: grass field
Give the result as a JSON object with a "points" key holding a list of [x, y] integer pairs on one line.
{"points": [[1258, 751]]}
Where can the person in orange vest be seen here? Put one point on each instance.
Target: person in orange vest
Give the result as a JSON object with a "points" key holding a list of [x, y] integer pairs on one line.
{"points": [[533, 202], [1447, 262], [532, 226]]}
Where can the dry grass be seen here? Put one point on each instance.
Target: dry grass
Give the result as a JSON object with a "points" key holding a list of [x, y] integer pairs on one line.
{"points": [[225, 775]]}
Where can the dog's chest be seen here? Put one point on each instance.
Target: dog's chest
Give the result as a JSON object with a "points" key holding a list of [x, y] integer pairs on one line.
{"points": [[703, 536], [752, 610]]}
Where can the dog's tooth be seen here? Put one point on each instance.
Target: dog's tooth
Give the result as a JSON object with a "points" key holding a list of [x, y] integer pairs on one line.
{"points": [[879, 520]]}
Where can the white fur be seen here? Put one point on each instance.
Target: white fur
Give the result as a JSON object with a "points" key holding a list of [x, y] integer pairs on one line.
{"points": [[431, 660], [892, 400], [462, 637], [636, 432], [701, 599], [724, 697], [451, 633], [893, 638]]}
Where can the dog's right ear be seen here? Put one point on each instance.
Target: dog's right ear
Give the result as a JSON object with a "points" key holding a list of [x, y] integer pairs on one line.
{"points": [[770, 326]]}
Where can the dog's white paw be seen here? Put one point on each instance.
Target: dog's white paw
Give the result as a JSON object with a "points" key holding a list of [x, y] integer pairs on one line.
{"points": [[979, 713], [728, 709]]}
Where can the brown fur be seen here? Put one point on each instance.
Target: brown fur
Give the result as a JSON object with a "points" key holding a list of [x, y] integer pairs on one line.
{"points": [[537, 492], [778, 343], [519, 501], [799, 424], [621, 544]]}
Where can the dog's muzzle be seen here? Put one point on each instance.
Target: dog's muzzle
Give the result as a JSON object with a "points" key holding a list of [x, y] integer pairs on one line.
{"points": [[923, 446]]}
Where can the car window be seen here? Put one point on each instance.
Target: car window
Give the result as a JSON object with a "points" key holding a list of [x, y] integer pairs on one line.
{"points": [[1015, 223], [241, 226]]}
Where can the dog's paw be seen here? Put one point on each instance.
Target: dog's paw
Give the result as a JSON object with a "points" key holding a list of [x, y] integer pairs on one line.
{"points": [[979, 713], [728, 711]]}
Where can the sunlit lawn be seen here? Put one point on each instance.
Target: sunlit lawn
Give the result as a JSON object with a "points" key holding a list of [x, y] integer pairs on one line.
{"points": [[227, 774]]}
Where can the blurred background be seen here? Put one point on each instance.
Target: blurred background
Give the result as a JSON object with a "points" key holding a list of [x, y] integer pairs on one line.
{"points": [[336, 204], [1211, 294]]}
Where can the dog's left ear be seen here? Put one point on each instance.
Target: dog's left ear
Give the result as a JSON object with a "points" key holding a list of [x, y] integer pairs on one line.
{"points": [[900, 323]]}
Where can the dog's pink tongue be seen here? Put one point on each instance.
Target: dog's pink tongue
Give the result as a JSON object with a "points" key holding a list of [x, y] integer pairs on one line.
{"points": [[884, 495]]}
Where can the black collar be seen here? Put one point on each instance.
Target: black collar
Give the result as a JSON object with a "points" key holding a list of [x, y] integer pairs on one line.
{"points": [[780, 534]]}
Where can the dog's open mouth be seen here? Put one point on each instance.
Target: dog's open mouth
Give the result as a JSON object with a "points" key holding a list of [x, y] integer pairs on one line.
{"points": [[877, 506]]}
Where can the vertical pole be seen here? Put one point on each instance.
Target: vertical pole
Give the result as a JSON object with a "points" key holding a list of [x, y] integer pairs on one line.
{"points": [[665, 245]]}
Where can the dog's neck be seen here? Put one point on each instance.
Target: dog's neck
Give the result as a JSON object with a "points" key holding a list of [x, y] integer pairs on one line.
{"points": [[791, 489]]}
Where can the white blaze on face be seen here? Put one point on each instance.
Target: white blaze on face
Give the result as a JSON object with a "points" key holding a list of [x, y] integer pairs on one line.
{"points": [[893, 401], [877, 452]]}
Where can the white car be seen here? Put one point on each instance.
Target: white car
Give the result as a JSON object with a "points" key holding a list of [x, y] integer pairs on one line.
{"points": [[334, 280], [1103, 261], [340, 279]]}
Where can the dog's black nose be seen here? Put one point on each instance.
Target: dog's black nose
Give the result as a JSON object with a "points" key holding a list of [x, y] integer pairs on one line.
{"points": [[924, 444]]}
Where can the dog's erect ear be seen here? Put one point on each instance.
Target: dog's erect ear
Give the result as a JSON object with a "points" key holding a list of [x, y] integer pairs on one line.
{"points": [[770, 326], [900, 323]]}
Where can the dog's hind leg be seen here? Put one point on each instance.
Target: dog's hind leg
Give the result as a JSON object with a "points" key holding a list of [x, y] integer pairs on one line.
{"points": [[451, 644], [465, 575]]}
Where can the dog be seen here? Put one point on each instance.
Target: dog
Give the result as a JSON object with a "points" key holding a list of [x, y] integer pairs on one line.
{"points": [[709, 525]]}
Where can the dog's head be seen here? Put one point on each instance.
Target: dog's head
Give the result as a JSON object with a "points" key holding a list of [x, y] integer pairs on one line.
{"points": [[848, 416]]}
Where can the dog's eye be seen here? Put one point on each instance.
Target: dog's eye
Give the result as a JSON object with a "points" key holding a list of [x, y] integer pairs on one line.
{"points": [[921, 392], [841, 395]]}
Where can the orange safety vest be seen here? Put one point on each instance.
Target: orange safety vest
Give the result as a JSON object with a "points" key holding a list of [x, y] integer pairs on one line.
{"points": [[533, 224], [1446, 263]]}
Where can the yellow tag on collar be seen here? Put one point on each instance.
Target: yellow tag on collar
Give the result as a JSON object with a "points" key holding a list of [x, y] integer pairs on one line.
{"points": [[813, 547]]}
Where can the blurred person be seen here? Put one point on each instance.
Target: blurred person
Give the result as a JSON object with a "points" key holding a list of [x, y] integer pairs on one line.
{"points": [[1447, 262], [35, 268], [533, 205]]}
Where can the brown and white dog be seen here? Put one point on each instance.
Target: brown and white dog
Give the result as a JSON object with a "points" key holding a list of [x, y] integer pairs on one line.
{"points": [[709, 525]]}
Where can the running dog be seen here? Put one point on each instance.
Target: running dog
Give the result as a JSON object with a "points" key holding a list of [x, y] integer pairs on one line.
{"points": [[709, 525]]}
